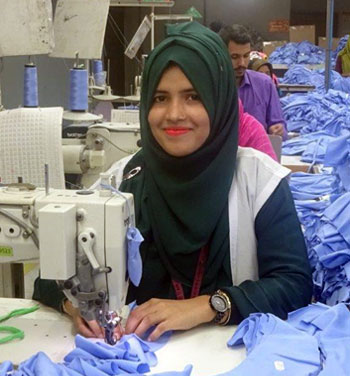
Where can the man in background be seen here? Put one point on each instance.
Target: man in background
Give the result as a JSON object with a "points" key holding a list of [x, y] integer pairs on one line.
{"points": [[257, 91]]}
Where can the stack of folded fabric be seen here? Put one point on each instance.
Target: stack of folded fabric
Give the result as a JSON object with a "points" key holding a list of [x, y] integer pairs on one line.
{"points": [[323, 206], [301, 75], [331, 251], [307, 113], [312, 146], [298, 53]]}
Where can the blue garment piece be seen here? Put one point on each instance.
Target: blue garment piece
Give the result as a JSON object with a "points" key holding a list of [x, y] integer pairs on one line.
{"points": [[5, 367], [82, 367], [338, 214], [331, 328], [39, 365], [313, 341], [274, 347], [312, 147], [95, 349], [131, 356], [134, 238], [305, 186], [338, 156]]}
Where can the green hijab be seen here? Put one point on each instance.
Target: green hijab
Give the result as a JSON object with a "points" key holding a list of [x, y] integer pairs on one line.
{"points": [[345, 57], [182, 202]]}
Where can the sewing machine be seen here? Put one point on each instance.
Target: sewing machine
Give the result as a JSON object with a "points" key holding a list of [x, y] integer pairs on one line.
{"points": [[80, 238], [96, 151]]}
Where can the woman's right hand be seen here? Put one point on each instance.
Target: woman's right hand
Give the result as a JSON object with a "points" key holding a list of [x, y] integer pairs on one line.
{"points": [[90, 329]]}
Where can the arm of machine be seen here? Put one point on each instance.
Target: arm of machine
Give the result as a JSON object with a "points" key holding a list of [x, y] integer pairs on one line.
{"points": [[80, 238]]}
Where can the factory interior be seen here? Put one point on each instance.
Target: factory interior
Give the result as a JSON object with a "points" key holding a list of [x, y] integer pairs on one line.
{"points": [[174, 178]]}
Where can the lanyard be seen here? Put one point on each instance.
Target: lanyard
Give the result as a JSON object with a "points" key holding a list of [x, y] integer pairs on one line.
{"points": [[198, 277], [14, 332]]}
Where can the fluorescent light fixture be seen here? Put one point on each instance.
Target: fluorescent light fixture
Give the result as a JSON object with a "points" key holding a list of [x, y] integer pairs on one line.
{"points": [[138, 38]]}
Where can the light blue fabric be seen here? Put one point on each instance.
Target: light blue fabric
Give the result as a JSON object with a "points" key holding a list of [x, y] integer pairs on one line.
{"points": [[274, 348], [338, 156], [313, 341], [301, 75], [131, 355], [305, 186], [316, 111], [39, 365], [312, 146], [330, 250], [331, 328], [5, 367], [134, 238], [298, 53], [82, 367]]}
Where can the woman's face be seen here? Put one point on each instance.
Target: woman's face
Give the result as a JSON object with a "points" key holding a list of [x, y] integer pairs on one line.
{"points": [[265, 69], [178, 119]]}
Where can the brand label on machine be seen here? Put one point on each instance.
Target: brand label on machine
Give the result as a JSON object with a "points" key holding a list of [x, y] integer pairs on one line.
{"points": [[6, 251]]}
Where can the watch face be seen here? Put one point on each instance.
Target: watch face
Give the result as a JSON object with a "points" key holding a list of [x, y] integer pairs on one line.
{"points": [[218, 303]]}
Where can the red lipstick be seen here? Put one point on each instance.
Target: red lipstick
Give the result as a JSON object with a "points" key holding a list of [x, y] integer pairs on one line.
{"points": [[176, 131]]}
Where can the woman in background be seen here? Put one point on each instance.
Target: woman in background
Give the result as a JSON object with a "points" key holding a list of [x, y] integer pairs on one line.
{"points": [[342, 64]]}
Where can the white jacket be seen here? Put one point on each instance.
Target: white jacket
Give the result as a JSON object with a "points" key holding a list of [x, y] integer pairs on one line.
{"points": [[255, 179]]}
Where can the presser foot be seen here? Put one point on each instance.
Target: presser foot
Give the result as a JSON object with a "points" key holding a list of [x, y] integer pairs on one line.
{"points": [[110, 322]]}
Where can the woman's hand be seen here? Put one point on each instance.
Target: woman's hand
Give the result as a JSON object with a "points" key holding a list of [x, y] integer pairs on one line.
{"points": [[85, 328], [169, 315]]}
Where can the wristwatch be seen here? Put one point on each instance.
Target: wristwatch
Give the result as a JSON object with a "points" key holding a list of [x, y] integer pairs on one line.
{"points": [[220, 303]]}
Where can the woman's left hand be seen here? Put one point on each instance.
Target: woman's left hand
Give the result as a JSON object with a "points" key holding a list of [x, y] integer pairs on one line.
{"points": [[169, 315]]}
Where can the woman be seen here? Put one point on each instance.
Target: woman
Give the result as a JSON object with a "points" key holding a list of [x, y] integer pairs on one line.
{"points": [[222, 239], [252, 134], [263, 66], [342, 64]]}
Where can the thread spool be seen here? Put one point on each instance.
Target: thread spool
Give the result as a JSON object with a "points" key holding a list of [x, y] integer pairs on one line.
{"points": [[97, 66], [30, 92], [78, 95], [98, 73]]}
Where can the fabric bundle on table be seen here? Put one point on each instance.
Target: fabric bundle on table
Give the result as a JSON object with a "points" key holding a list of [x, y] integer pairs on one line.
{"points": [[312, 146], [298, 53], [306, 186], [307, 113], [301, 75]]}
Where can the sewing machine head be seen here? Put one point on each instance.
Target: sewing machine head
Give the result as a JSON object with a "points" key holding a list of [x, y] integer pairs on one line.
{"points": [[80, 237]]}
